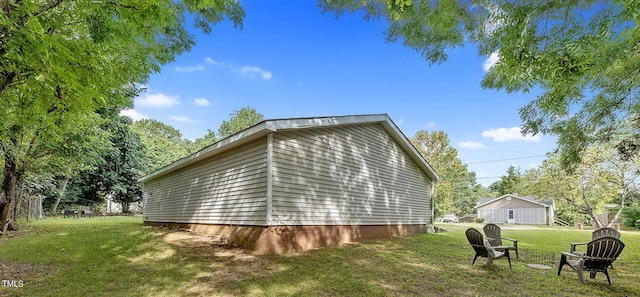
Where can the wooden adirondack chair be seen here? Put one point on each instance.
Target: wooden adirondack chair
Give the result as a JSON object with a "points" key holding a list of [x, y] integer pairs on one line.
{"points": [[493, 234], [484, 249], [599, 256]]}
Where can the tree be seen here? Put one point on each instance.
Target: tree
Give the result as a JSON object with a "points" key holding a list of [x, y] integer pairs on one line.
{"points": [[582, 55], [510, 183], [162, 143], [435, 148], [469, 192], [117, 172], [63, 60], [601, 178], [240, 120], [204, 141]]}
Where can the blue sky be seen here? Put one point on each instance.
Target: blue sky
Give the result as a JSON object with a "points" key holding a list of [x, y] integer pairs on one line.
{"points": [[290, 60]]}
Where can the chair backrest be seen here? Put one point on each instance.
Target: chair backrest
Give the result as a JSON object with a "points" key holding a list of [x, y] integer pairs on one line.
{"points": [[492, 231], [604, 248], [605, 232], [86, 208], [601, 253]]}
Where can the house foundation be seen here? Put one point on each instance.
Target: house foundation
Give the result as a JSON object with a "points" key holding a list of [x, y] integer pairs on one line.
{"points": [[294, 239]]}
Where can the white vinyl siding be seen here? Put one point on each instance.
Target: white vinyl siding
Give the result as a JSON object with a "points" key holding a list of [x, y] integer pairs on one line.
{"points": [[346, 175], [229, 188]]}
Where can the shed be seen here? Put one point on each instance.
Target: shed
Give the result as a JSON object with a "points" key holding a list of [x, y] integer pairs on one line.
{"points": [[290, 185], [514, 209]]}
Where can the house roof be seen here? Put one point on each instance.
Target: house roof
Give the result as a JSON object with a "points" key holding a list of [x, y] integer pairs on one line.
{"points": [[265, 127], [486, 201]]}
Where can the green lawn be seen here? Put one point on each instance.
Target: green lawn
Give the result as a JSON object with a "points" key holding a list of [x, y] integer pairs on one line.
{"points": [[118, 256]]}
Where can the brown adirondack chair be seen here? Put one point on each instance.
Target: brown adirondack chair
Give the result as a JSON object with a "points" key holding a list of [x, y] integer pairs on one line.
{"points": [[493, 234], [484, 249], [599, 233], [599, 256]]}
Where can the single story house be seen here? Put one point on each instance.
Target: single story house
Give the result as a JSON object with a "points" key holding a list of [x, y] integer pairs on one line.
{"points": [[514, 209], [290, 185]]}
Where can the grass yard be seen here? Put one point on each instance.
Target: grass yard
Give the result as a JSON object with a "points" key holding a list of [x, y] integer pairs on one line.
{"points": [[118, 256]]}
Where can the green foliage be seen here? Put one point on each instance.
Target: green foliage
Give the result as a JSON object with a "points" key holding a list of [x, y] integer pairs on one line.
{"points": [[204, 141], [118, 256], [117, 171], [240, 120], [582, 55], [457, 190], [162, 144], [508, 184], [61, 61], [631, 216], [599, 179]]}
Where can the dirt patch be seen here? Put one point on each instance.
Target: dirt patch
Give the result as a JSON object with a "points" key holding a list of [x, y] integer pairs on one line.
{"points": [[19, 271], [207, 244]]}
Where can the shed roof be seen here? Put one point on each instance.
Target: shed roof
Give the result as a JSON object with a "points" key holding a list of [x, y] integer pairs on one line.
{"points": [[487, 201], [270, 126]]}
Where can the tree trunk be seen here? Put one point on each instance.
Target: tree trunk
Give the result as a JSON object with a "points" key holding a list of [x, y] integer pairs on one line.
{"points": [[125, 207], [8, 191], [61, 190], [591, 212]]}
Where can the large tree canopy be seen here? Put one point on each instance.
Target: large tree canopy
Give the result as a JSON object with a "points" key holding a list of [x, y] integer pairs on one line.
{"points": [[435, 148], [582, 56], [60, 61]]}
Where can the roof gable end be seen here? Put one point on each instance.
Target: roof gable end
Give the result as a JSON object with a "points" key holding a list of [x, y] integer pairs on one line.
{"points": [[485, 201], [270, 126]]}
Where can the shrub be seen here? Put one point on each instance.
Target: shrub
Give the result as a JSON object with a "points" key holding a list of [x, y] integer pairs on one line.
{"points": [[631, 216]]}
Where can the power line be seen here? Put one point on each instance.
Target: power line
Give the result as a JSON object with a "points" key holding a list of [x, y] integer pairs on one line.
{"points": [[509, 159]]}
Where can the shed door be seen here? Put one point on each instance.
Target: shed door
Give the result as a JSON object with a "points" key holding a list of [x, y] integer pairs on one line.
{"points": [[512, 216]]}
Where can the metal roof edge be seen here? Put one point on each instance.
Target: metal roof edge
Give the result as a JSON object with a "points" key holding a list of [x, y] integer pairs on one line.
{"points": [[254, 132]]}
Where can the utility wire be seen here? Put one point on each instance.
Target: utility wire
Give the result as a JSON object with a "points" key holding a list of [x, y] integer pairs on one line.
{"points": [[509, 159]]}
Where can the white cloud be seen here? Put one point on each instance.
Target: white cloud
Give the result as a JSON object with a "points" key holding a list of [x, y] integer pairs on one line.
{"points": [[133, 114], [183, 119], [253, 71], [472, 145], [158, 100], [431, 125], [189, 68], [201, 102], [509, 134], [491, 61], [211, 61]]}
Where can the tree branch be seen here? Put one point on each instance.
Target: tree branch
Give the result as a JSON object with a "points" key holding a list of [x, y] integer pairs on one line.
{"points": [[116, 4], [9, 78]]}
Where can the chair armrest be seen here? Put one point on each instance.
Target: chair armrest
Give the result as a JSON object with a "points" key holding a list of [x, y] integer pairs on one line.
{"points": [[574, 244], [510, 239], [568, 254]]}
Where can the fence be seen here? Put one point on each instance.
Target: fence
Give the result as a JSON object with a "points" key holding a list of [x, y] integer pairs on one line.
{"points": [[538, 259], [30, 208]]}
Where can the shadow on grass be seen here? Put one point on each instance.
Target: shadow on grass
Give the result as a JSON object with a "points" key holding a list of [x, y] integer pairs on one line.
{"points": [[121, 257]]}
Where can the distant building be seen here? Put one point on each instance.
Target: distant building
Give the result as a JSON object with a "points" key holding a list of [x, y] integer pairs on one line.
{"points": [[513, 209]]}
